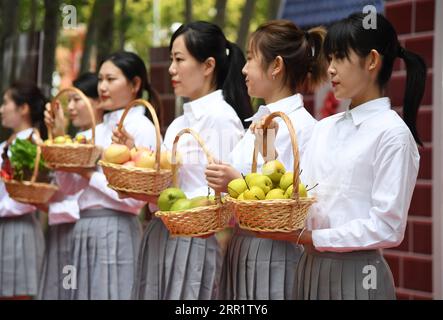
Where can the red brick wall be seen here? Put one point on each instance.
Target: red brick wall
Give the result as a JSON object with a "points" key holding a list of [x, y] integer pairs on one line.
{"points": [[411, 262]]}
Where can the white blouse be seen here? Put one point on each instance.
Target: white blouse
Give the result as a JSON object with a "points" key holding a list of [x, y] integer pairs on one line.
{"points": [[217, 124], [96, 193], [8, 206], [303, 122], [365, 162]]}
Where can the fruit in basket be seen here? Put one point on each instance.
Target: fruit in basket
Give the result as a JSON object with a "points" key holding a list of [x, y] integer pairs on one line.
{"points": [[254, 193], [274, 170], [286, 180], [47, 142], [129, 163], [262, 182], [117, 153], [136, 150], [168, 197], [202, 201], [144, 159], [250, 176], [276, 194], [59, 140], [181, 204], [236, 187], [301, 191], [80, 139], [241, 196]]}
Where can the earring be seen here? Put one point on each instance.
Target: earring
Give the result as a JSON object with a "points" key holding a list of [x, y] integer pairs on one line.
{"points": [[273, 77]]}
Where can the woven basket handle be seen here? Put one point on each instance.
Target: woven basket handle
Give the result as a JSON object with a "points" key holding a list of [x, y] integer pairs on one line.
{"points": [[85, 100], [156, 124], [295, 152], [174, 155], [37, 155]]}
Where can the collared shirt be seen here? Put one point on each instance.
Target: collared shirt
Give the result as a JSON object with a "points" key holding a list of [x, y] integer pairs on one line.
{"points": [[96, 193], [303, 122], [218, 125], [365, 162], [8, 206]]}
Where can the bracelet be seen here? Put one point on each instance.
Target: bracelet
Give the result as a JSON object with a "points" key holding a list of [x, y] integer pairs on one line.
{"points": [[299, 236]]}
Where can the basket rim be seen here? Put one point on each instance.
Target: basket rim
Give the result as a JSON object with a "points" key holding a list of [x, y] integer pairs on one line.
{"points": [[33, 184], [197, 234], [213, 208], [71, 146], [133, 169], [119, 189], [272, 201]]}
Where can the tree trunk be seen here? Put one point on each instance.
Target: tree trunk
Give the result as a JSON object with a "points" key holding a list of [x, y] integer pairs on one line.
{"points": [[105, 29], [30, 72], [91, 35], [219, 19], [273, 8], [123, 25], [188, 11], [243, 32], [50, 29]]}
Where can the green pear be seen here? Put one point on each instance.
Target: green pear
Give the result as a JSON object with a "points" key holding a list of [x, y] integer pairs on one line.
{"points": [[254, 193], [168, 197], [286, 180], [261, 181], [202, 201], [249, 176], [274, 170], [181, 204], [241, 196], [301, 191], [276, 194], [236, 187]]}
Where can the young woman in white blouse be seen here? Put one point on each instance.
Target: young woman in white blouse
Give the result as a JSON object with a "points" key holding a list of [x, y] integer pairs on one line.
{"points": [[21, 236], [365, 161], [281, 59], [64, 211], [206, 69], [107, 236]]}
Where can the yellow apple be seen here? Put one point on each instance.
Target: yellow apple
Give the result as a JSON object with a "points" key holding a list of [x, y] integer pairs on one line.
{"points": [[276, 194], [250, 176], [301, 191], [117, 153], [144, 159], [60, 140], [236, 187], [286, 180], [274, 170], [254, 193], [262, 182]]}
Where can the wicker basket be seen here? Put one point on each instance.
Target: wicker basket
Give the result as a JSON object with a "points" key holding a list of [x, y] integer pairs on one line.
{"points": [[30, 191], [59, 156], [138, 180], [279, 215], [197, 221]]}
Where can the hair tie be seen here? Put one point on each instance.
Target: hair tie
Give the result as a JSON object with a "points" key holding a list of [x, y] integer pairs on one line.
{"points": [[228, 51]]}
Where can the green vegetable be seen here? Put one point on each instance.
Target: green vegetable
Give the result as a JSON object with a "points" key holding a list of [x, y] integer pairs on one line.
{"points": [[23, 154]]}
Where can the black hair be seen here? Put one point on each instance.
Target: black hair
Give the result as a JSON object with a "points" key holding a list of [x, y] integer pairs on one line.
{"points": [[28, 93], [350, 34], [133, 66], [87, 83], [204, 40]]}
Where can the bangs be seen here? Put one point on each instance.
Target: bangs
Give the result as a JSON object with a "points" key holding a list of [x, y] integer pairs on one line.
{"points": [[339, 40]]}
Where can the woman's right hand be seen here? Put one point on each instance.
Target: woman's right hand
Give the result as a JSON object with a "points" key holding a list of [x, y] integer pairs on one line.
{"points": [[55, 119], [122, 137]]}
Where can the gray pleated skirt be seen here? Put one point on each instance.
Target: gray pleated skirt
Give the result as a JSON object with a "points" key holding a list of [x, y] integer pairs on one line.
{"points": [[21, 255], [57, 258], [359, 275], [172, 268], [104, 255], [259, 269]]}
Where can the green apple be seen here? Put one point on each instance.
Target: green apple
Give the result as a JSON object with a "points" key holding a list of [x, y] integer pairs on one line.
{"points": [[168, 197], [261, 181], [202, 201], [286, 180], [236, 187], [181, 204], [249, 176], [276, 194], [301, 191], [274, 170], [254, 193]]}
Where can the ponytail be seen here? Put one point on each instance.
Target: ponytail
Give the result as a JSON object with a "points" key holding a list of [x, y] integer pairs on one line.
{"points": [[234, 87], [318, 67], [415, 87]]}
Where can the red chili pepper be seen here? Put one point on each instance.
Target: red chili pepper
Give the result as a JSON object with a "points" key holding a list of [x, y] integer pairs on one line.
{"points": [[5, 175]]}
